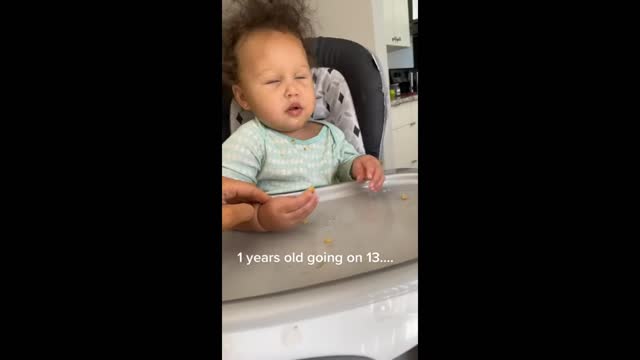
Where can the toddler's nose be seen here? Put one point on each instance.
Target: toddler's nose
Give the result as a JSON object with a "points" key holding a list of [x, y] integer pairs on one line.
{"points": [[291, 90]]}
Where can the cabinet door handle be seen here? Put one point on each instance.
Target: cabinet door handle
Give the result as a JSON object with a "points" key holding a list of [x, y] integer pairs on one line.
{"points": [[414, 161], [413, 123]]}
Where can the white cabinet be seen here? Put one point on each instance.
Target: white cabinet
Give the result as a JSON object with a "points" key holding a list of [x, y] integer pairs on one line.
{"points": [[406, 146], [404, 120], [396, 23]]}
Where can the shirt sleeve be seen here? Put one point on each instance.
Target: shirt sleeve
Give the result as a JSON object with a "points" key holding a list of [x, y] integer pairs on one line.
{"points": [[243, 154], [346, 155]]}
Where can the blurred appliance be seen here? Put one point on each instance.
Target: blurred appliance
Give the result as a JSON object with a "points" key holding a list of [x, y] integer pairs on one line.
{"points": [[406, 78]]}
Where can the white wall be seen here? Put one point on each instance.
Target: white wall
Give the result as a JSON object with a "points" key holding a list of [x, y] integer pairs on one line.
{"points": [[225, 4], [330, 16], [414, 10]]}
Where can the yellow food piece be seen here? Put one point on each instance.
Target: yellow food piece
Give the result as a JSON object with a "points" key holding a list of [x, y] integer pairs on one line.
{"points": [[306, 221], [312, 189], [328, 241], [404, 197]]}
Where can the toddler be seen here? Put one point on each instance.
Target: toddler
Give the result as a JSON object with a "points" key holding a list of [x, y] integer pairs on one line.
{"points": [[282, 150]]}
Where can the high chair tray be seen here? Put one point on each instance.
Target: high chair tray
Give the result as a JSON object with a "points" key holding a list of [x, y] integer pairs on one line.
{"points": [[353, 231]]}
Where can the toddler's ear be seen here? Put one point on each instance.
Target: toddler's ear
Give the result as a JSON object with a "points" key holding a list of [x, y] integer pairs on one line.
{"points": [[238, 94]]}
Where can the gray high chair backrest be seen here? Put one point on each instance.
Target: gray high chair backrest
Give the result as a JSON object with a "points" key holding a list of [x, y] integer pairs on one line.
{"points": [[362, 72]]}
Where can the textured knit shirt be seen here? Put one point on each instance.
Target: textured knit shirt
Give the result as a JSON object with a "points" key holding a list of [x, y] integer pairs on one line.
{"points": [[278, 163]]}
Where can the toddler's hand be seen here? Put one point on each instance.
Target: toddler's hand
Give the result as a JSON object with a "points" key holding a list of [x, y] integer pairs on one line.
{"points": [[367, 167], [282, 213]]}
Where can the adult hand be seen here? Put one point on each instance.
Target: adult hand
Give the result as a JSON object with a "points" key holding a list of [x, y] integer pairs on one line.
{"points": [[237, 202]]}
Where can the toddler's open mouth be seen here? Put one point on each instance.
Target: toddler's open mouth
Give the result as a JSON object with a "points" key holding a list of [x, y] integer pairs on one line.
{"points": [[295, 109]]}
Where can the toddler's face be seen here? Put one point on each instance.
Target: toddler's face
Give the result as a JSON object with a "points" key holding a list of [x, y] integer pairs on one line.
{"points": [[274, 80]]}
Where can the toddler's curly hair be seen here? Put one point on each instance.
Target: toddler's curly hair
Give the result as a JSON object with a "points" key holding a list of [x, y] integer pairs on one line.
{"points": [[245, 16]]}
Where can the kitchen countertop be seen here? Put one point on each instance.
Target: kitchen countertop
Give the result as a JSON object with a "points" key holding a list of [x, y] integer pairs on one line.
{"points": [[403, 99]]}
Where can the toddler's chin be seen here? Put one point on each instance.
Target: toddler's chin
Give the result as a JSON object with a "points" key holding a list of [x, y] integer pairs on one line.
{"points": [[296, 124], [287, 128], [288, 125]]}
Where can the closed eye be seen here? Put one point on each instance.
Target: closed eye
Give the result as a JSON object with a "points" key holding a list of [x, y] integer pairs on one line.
{"points": [[272, 82], [301, 77]]}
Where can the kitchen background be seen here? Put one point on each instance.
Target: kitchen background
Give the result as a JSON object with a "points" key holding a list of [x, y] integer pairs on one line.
{"points": [[389, 29]]}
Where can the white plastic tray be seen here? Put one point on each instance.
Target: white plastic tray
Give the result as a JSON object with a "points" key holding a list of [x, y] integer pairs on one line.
{"points": [[353, 220]]}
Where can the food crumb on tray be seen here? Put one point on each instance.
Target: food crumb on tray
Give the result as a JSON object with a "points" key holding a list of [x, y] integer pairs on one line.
{"points": [[404, 197], [328, 240]]}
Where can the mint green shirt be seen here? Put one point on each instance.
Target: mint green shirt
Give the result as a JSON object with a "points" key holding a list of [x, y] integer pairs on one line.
{"points": [[277, 163]]}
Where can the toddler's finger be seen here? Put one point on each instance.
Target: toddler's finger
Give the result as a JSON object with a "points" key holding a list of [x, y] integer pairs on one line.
{"points": [[295, 202], [378, 178], [302, 213], [370, 170], [358, 171], [381, 180], [372, 178]]}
